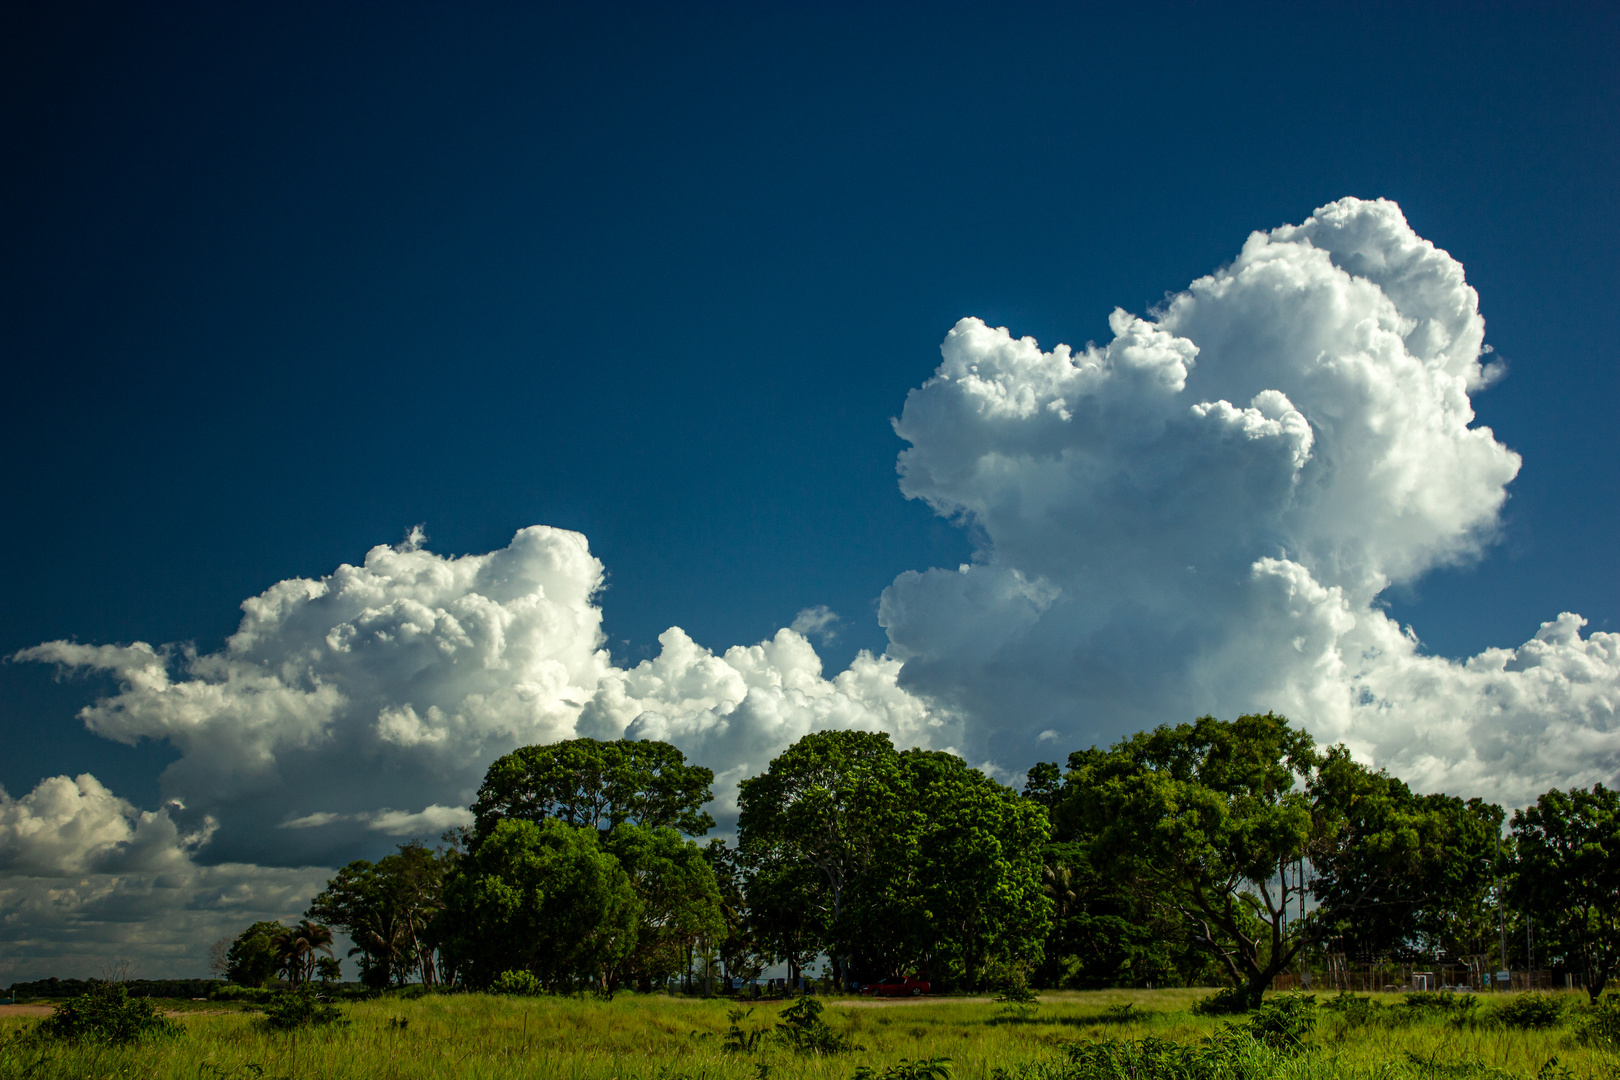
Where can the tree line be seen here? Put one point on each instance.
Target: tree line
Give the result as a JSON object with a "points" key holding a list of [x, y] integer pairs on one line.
{"points": [[1212, 851]]}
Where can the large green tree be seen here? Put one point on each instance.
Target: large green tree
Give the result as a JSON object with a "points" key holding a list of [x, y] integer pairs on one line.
{"points": [[253, 958], [1102, 934], [388, 909], [742, 948], [1220, 825], [544, 898], [894, 860], [971, 859], [296, 947], [817, 807], [1396, 870], [1567, 872], [788, 910], [596, 783], [678, 901]]}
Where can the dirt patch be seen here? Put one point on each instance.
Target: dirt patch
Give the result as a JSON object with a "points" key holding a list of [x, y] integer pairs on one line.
{"points": [[25, 1010]]}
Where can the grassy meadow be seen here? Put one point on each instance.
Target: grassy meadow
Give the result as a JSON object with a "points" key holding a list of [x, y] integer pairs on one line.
{"points": [[637, 1037]]}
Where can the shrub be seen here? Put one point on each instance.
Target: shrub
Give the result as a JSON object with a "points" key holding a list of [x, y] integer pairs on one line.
{"points": [[106, 1013], [1016, 998], [1283, 1022], [256, 995], [1224, 1002], [1357, 1011], [1016, 995], [517, 982], [301, 1008], [739, 1041], [1530, 1011], [803, 1029], [1461, 1009], [934, 1068], [1152, 1058], [1600, 1022]]}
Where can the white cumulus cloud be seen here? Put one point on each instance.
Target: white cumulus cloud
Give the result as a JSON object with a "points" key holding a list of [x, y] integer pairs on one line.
{"points": [[1199, 516], [735, 711], [372, 700]]}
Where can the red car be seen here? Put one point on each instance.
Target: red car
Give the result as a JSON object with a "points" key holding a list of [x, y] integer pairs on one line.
{"points": [[898, 987]]}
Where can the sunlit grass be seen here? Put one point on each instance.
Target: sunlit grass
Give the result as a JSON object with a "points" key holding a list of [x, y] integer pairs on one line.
{"points": [[660, 1038]]}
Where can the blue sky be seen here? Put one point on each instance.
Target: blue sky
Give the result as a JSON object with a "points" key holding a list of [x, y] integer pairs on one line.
{"points": [[282, 281]]}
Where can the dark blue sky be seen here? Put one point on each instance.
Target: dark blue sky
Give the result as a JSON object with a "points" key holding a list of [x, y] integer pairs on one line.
{"points": [[282, 280]]}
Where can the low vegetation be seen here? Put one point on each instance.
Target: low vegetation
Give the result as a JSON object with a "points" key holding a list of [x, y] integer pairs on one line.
{"points": [[105, 1014], [1103, 1035]]}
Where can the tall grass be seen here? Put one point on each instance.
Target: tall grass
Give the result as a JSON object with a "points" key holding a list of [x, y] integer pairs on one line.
{"points": [[476, 1037]]}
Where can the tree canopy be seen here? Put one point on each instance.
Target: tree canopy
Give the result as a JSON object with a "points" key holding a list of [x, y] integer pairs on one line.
{"points": [[600, 784], [678, 901], [544, 898], [891, 861], [1568, 856], [253, 958], [389, 909], [1215, 824], [1205, 851]]}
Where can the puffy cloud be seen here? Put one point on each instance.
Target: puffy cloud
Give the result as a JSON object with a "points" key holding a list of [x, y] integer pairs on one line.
{"points": [[76, 826], [386, 685], [86, 877], [734, 712], [372, 700], [1199, 516], [820, 622]]}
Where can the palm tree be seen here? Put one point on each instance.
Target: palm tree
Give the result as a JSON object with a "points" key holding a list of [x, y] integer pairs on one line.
{"points": [[297, 945]]}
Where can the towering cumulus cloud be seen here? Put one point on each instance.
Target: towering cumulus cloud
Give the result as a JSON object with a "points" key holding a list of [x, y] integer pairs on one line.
{"points": [[1199, 516]]}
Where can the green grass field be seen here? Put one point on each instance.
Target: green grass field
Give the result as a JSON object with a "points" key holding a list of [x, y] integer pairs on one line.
{"points": [[660, 1038]]}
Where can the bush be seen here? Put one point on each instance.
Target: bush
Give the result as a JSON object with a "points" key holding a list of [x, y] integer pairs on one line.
{"points": [[254, 995], [1152, 1058], [1600, 1022], [934, 1068], [106, 1013], [1358, 1011], [1283, 1022], [739, 1041], [1013, 979], [517, 982], [1461, 1009], [1223, 1002], [803, 1029], [157, 988], [1530, 1011], [301, 1008]]}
